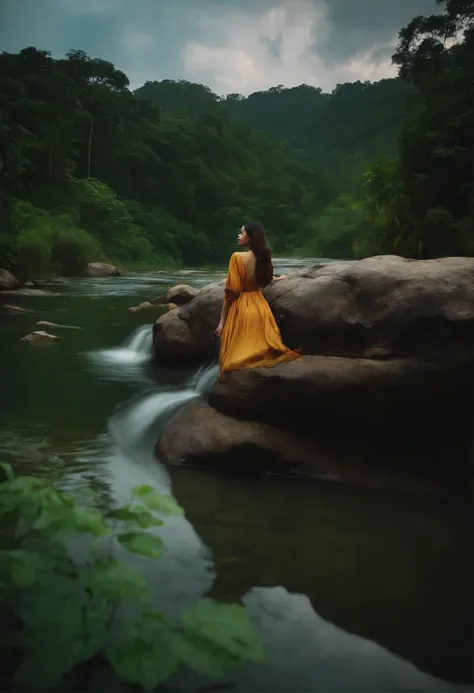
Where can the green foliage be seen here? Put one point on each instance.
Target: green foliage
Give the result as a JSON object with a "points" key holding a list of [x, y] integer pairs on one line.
{"points": [[166, 175], [436, 54], [72, 249], [50, 241], [59, 615]]}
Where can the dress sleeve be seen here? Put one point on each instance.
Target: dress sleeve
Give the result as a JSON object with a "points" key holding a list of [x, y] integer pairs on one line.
{"points": [[235, 278]]}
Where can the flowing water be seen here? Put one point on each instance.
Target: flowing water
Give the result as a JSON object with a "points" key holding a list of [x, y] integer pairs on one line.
{"points": [[350, 590]]}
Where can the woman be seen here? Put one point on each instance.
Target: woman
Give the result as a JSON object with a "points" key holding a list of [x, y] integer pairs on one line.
{"points": [[250, 335]]}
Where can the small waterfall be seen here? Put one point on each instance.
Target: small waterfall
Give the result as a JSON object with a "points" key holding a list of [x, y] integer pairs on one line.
{"points": [[150, 413], [125, 362], [140, 341], [205, 378], [133, 425]]}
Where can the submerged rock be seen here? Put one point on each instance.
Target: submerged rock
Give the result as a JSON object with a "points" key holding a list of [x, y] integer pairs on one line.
{"points": [[146, 305], [7, 280], [39, 336], [28, 292], [11, 309], [102, 269], [45, 323]]}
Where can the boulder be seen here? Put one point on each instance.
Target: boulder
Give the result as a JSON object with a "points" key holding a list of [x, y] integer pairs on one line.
{"points": [[402, 306], [198, 432], [334, 397], [102, 269], [181, 294], [192, 326], [172, 342], [386, 306], [198, 435], [28, 292], [7, 280], [39, 336]]}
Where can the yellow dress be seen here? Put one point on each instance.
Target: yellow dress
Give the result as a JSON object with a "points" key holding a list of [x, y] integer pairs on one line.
{"points": [[251, 337]]}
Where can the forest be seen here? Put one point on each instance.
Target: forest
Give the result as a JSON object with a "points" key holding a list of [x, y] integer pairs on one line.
{"points": [[165, 176]]}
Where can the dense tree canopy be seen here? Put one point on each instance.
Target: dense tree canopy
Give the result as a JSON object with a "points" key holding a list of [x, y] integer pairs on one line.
{"points": [[166, 175], [437, 149]]}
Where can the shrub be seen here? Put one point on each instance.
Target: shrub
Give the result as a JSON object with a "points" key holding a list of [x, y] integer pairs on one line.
{"points": [[60, 616], [72, 249], [8, 251], [34, 254]]}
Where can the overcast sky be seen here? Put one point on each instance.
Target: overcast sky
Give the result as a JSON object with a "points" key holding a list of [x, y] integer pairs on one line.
{"points": [[230, 45]]}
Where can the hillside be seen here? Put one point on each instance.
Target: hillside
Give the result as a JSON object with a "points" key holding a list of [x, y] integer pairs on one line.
{"points": [[339, 133]]}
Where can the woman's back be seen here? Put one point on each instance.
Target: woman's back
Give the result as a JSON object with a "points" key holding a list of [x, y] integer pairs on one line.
{"points": [[250, 263]]}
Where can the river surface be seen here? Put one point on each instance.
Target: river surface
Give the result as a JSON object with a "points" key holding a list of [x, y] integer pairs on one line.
{"points": [[350, 590]]}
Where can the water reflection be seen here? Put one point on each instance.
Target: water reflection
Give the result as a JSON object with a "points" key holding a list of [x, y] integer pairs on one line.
{"points": [[394, 570]]}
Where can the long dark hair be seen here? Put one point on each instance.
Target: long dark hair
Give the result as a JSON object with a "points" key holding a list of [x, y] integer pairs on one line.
{"points": [[258, 244]]}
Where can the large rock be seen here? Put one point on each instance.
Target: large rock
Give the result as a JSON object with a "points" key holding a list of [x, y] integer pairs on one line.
{"points": [[102, 269], [198, 432], [189, 331], [172, 342], [181, 294], [403, 306], [337, 397], [380, 306], [7, 280], [198, 435]]}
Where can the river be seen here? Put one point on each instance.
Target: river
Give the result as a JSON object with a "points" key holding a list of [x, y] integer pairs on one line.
{"points": [[350, 590]]}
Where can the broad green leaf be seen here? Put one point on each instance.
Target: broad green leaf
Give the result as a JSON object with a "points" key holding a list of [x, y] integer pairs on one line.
{"points": [[159, 502], [140, 662], [202, 655], [90, 521], [58, 516], [141, 543], [116, 582], [224, 625], [140, 516], [62, 634]]}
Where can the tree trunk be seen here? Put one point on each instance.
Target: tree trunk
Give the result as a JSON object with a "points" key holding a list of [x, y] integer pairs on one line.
{"points": [[89, 154]]}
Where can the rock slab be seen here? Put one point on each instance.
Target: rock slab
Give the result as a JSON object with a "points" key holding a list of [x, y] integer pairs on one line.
{"points": [[383, 306]]}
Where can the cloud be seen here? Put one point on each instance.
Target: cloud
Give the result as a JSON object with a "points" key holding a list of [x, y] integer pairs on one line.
{"points": [[284, 45], [231, 45]]}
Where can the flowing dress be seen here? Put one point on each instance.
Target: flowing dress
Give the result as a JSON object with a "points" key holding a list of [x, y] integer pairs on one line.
{"points": [[251, 337]]}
